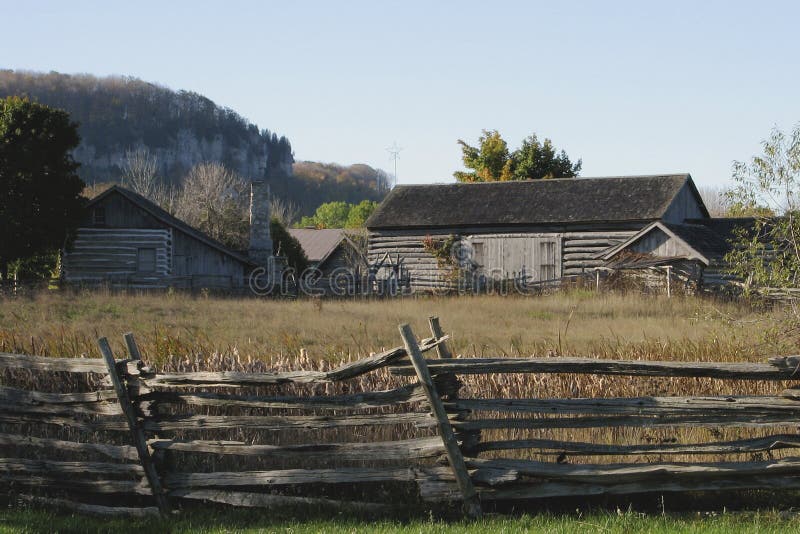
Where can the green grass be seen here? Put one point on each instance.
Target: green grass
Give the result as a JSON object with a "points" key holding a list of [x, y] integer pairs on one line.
{"points": [[34, 521]]}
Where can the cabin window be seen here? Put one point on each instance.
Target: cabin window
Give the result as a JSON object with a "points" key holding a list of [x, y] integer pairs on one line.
{"points": [[99, 216], [547, 260], [146, 260]]}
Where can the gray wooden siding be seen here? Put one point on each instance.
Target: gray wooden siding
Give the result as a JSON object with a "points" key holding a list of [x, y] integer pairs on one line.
{"points": [[684, 206], [122, 213], [576, 250], [99, 253], [505, 256], [196, 259], [658, 243]]}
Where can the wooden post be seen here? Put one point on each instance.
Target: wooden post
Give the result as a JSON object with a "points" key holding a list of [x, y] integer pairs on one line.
{"points": [[437, 333], [669, 288], [472, 505], [597, 279], [133, 349], [136, 431], [449, 383]]}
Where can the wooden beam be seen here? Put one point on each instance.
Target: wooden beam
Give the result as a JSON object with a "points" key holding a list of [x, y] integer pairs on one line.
{"points": [[93, 509], [472, 505], [117, 452], [268, 500], [42, 363], [136, 431], [554, 447], [783, 368], [392, 450]]}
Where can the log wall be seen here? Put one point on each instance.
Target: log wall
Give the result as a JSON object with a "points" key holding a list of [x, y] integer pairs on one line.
{"points": [[505, 250]]}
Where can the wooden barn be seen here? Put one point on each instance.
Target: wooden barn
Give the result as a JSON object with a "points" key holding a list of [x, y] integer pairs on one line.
{"points": [[333, 255], [536, 231], [127, 241]]}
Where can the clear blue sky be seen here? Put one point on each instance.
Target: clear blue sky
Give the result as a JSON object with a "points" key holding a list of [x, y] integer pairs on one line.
{"points": [[630, 87]]}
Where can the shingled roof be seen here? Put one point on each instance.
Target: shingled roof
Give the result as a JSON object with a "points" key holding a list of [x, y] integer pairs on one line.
{"points": [[318, 244], [559, 201]]}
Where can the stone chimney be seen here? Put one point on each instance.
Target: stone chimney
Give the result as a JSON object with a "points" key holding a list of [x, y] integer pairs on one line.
{"points": [[260, 250]]}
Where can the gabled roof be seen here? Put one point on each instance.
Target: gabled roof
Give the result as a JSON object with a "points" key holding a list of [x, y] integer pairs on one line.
{"points": [[558, 201], [170, 220], [318, 244], [707, 239]]}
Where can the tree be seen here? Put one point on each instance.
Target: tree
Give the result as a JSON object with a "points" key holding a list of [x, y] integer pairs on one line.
{"points": [[769, 185], [716, 201], [283, 244], [340, 215], [285, 211], [215, 201], [491, 160], [41, 203], [328, 215], [534, 160], [359, 213], [140, 175]]}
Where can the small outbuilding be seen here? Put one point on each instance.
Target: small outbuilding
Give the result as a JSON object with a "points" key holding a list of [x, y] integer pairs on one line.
{"points": [[333, 257], [694, 250]]}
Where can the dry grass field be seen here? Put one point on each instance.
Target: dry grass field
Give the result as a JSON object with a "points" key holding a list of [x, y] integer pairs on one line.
{"points": [[577, 323]]}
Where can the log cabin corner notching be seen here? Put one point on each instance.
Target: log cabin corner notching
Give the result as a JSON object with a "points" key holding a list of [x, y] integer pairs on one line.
{"points": [[541, 230], [128, 241]]}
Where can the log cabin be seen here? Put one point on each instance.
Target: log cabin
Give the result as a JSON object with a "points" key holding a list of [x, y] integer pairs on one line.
{"points": [[539, 231], [128, 242]]}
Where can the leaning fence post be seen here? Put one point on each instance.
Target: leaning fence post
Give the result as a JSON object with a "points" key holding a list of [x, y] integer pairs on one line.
{"points": [[136, 431], [472, 505], [448, 385], [438, 333]]}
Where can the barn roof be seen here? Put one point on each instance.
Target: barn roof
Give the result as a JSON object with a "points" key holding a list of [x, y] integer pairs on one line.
{"points": [[710, 239], [170, 220], [558, 201], [318, 244]]}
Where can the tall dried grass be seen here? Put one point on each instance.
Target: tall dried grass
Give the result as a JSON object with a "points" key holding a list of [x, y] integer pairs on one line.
{"points": [[182, 333]]}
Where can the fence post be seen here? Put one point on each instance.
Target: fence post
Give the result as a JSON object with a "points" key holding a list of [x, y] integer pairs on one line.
{"points": [[472, 505], [136, 431], [448, 384]]}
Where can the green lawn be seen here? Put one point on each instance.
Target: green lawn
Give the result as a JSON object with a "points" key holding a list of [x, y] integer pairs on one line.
{"points": [[265, 521]]}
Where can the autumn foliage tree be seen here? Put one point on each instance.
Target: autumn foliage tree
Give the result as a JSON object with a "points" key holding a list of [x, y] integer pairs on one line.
{"points": [[41, 202], [491, 160]]}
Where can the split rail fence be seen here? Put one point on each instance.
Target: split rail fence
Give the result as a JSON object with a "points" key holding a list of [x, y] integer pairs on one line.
{"points": [[127, 440]]}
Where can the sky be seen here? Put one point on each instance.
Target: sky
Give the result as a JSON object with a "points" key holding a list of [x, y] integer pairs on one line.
{"points": [[628, 87]]}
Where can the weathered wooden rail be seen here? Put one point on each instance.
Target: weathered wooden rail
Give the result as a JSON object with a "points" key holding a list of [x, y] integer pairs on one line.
{"points": [[133, 441]]}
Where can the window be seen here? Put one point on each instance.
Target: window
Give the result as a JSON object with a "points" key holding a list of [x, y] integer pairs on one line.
{"points": [[547, 260], [99, 217], [146, 260]]}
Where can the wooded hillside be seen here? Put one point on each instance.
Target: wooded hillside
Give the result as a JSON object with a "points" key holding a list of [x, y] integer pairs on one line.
{"points": [[181, 129]]}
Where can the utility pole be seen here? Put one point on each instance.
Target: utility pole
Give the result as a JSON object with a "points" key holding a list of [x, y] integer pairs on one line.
{"points": [[394, 154]]}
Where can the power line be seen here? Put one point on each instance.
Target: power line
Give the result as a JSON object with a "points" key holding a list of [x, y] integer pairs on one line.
{"points": [[394, 154]]}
